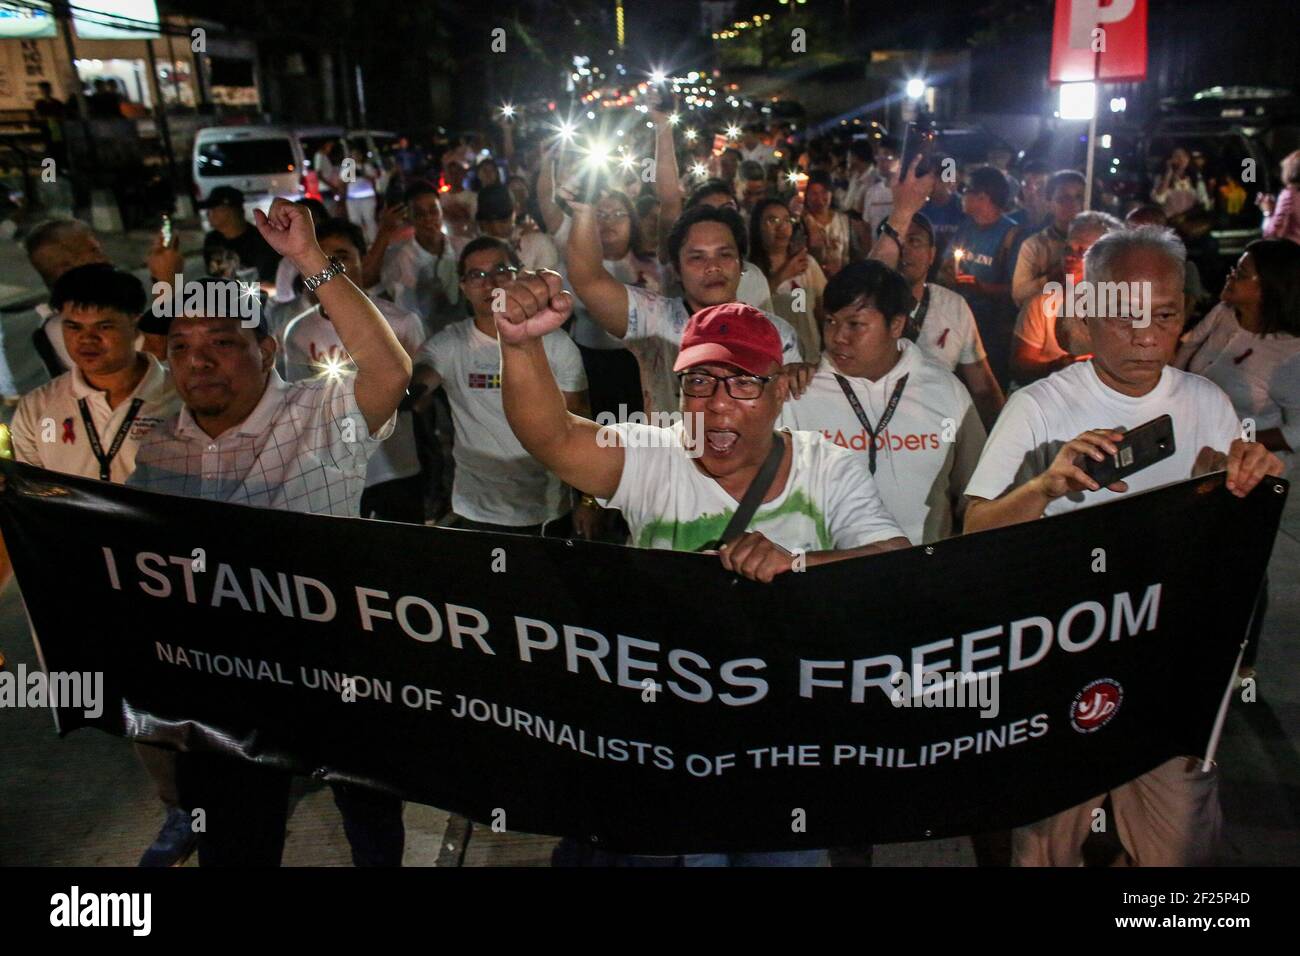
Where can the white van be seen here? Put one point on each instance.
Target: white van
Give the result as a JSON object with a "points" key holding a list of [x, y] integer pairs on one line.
{"points": [[264, 162]]}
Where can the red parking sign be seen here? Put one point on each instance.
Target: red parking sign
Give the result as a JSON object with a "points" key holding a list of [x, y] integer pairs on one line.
{"points": [[1099, 40]]}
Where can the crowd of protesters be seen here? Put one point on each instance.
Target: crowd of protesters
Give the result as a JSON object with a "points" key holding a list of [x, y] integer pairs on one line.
{"points": [[860, 359]]}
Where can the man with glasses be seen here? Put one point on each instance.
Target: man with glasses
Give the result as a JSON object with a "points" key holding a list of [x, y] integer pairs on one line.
{"points": [[1031, 468], [419, 273], [498, 486], [679, 487]]}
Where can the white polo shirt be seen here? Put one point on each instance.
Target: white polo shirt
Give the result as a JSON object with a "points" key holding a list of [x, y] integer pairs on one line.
{"points": [[1041, 417], [655, 324], [949, 334], [312, 349], [53, 412], [303, 448], [926, 452]]}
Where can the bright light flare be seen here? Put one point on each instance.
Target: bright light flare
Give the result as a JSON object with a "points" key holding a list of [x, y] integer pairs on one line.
{"points": [[690, 135], [733, 131], [915, 88], [332, 367], [699, 171], [508, 110]]}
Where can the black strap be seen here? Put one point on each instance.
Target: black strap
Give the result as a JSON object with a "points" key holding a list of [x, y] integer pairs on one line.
{"points": [[862, 416], [106, 461], [756, 491]]}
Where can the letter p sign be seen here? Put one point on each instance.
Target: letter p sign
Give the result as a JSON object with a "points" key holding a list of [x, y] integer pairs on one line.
{"points": [[1087, 15]]}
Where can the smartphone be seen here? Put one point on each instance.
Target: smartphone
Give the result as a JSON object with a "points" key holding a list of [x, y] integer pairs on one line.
{"points": [[918, 141], [662, 98], [1140, 448], [798, 239], [166, 230]]}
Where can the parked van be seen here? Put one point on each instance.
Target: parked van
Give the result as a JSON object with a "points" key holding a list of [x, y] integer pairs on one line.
{"points": [[264, 162]]}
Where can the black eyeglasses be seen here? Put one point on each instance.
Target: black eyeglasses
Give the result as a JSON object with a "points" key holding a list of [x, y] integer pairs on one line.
{"points": [[742, 386], [501, 272]]}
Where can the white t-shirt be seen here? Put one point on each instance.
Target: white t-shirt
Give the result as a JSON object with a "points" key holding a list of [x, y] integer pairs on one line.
{"points": [[311, 348], [411, 275], [836, 245], [655, 324], [829, 501], [877, 204], [630, 270], [69, 450], [1036, 327], [928, 449], [949, 334], [1039, 418], [1259, 373], [536, 250], [497, 481]]}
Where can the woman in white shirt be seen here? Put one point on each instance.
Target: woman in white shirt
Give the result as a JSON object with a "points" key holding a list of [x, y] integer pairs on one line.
{"points": [[1249, 345], [782, 254], [613, 376]]}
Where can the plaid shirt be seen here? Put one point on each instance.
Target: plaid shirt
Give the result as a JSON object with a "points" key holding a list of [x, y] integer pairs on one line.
{"points": [[303, 448]]}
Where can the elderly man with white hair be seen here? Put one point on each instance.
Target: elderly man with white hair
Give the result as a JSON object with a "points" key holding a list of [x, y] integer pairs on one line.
{"points": [[1032, 467]]}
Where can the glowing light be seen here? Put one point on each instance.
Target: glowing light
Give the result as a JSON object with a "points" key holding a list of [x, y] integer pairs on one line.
{"points": [[657, 76], [1078, 101], [795, 178], [507, 110], [628, 162], [690, 135], [565, 130], [916, 88], [674, 119], [332, 367], [699, 171], [1118, 104], [733, 131]]}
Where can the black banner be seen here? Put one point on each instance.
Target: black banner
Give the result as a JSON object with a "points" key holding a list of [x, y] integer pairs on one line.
{"points": [[647, 700]]}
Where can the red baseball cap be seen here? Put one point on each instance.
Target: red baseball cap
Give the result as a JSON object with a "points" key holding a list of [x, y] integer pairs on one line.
{"points": [[732, 334]]}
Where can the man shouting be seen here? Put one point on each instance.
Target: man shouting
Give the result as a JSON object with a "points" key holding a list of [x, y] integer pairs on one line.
{"points": [[680, 487]]}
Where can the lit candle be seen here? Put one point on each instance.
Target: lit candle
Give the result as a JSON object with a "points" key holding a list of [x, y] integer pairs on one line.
{"points": [[957, 255]]}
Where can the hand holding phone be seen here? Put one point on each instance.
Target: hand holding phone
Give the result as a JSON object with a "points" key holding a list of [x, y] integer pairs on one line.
{"points": [[1141, 448], [918, 141]]}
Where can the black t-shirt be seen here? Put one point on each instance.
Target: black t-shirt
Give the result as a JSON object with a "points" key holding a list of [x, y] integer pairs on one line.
{"points": [[253, 251]]}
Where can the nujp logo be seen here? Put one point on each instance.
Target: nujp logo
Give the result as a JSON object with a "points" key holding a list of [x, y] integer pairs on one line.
{"points": [[1095, 705]]}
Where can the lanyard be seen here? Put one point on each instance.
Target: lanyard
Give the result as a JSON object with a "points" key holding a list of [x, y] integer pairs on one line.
{"points": [[862, 416], [917, 319], [105, 461]]}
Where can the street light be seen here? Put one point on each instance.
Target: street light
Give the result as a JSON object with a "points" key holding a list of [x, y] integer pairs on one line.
{"points": [[1078, 101], [915, 88]]}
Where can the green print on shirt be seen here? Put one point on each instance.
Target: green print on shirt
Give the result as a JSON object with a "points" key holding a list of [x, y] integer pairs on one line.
{"points": [[694, 534]]}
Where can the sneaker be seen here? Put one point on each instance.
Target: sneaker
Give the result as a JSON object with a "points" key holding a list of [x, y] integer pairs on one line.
{"points": [[174, 843]]}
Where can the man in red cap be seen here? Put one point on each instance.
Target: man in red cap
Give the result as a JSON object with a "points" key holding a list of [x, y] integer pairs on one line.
{"points": [[679, 487]]}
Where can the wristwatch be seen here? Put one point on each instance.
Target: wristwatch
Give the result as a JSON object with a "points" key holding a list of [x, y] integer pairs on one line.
{"points": [[335, 268], [887, 230]]}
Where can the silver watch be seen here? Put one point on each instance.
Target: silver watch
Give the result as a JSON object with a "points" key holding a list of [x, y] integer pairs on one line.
{"points": [[335, 268]]}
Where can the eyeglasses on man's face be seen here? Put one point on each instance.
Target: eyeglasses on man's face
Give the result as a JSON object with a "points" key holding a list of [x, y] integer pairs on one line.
{"points": [[503, 272], [743, 386]]}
